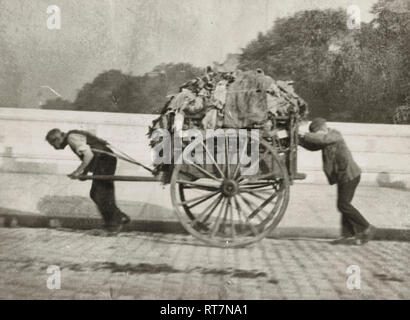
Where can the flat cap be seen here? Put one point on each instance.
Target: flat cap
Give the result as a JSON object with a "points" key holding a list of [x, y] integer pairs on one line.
{"points": [[316, 124]]}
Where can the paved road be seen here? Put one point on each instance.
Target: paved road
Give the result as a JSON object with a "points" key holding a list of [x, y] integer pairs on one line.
{"points": [[165, 266]]}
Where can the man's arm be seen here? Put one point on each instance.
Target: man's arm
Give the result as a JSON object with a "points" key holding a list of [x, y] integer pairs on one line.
{"points": [[79, 143], [320, 139], [88, 157], [307, 145]]}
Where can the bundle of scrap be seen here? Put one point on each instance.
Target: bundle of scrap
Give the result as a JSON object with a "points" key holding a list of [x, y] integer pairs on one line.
{"points": [[239, 99]]}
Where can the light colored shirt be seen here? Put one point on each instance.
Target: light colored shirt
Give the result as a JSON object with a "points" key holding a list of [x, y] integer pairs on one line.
{"points": [[78, 143]]}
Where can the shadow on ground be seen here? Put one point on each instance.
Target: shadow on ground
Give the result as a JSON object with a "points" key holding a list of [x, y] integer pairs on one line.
{"points": [[80, 213], [78, 206], [148, 268], [383, 179]]}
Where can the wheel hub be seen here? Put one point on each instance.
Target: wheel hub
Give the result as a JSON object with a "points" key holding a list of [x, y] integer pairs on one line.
{"points": [[229, 188]]}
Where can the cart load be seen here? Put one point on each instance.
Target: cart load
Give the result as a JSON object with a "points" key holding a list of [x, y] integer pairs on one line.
{"points": [[240, 99]]}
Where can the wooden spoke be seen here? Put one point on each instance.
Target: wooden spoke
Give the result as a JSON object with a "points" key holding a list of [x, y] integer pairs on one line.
{"points": [[260, 177], [263, 205], [264, 155], [216, 225], [213, 160], [209, 209], [228, 169], [252, 183], [188, 174], [203, 200], [236, 171], [199, 184], [238, 208], [251, 226], [256, 195], [199, 199], [256, 183], [199, 188], [227, 206], [238, 165], [250, 206], [277, 203], [204, 171], [269, 191], [233, 232], [260, 187]]}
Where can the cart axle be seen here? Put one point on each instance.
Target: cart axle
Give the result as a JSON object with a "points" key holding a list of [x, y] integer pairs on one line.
{"points": [[229, 188]]}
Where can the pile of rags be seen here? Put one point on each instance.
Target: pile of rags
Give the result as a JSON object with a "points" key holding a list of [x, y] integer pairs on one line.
{"points": [[239, 99]]}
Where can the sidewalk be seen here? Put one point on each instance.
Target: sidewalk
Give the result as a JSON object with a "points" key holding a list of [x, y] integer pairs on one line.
{"points": [[51, 200], [169, 266]]}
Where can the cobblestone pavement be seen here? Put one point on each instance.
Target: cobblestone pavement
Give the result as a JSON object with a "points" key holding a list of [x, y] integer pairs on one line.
{"points": [[163, 266]]}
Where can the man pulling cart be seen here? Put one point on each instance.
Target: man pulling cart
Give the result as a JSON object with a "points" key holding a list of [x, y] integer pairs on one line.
{"points": [[95, 157]]}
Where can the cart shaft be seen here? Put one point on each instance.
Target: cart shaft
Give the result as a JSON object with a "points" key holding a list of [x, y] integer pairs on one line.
{"points": [[120, 178]]}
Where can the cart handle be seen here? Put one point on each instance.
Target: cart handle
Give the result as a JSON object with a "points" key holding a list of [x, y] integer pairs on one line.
{"points": [[127, 158], [118, 178]]}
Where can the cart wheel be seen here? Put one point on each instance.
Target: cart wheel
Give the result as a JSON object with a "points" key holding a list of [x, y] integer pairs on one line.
{"points": [[225, 207]]}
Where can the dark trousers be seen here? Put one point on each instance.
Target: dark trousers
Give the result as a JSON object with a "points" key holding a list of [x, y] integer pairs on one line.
{"points": [[103, 193], [352, 220]]}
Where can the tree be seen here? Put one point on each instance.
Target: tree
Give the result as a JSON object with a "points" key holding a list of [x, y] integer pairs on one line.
{"points": [[344, 75], [113, 91], [297, 48], [10, 75]]}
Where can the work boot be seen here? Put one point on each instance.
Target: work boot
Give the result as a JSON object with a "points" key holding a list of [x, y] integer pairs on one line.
{"points": [[113, 225], [124, 218], [113, 228], [366, 235], [344, 241]]}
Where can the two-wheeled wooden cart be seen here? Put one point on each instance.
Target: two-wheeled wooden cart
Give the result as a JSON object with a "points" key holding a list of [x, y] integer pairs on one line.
{"points": [[218, 202]]}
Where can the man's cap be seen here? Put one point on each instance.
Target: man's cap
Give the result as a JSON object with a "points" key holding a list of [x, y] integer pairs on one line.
{"points": [[52, 132], [316, 124]]}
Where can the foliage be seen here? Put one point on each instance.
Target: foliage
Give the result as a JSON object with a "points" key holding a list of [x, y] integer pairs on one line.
{"points": [[344, 75], [113, 91], [10, 75]]}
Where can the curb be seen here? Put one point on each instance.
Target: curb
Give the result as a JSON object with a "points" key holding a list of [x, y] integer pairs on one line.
{"points": [[175, 227]]}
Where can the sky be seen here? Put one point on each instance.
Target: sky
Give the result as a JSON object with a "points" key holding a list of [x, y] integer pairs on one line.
{"points": [[134, 36]]}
